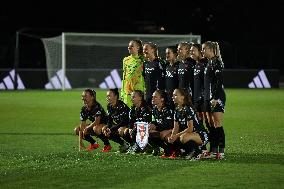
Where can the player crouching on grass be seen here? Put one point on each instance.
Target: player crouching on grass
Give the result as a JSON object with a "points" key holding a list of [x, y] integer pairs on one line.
{"points": [[93, 111], [139, 112], [187, 132], [118, 116], [162, 124]]}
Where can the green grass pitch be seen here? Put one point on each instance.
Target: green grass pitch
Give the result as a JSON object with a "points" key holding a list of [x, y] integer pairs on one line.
{"points": [[38, 148]]}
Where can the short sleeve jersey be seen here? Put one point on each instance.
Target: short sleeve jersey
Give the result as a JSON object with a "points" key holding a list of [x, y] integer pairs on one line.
{"points": [[118, 115], [95, 111], [142, 113], [182, 116], [163, 119]]}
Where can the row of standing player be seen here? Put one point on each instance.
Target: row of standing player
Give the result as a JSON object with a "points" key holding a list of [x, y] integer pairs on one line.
{"points": [[195, 68]]}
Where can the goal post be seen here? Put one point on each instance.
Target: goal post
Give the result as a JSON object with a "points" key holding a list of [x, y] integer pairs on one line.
{"points": [[80, 60]]}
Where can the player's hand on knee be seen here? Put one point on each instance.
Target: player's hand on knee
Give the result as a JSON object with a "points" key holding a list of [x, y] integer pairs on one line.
{"points": [[85, 131], [104, 129], [120, 131], [107, 132], [171, 139]]}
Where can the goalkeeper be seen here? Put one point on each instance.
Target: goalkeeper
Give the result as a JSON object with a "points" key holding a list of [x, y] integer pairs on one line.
{"points": [[132, 78]]}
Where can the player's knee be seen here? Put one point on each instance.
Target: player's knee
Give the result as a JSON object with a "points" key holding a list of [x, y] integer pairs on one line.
{"points": [[98, 130], [85, 132], [95, 129], [217, 123], [76, 130], [127, 132], [162, 136], [182, 139], [121, 131]]}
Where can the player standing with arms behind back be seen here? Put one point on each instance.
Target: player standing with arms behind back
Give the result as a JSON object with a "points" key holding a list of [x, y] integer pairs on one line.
{"points": [[153, 71], [214, 96], [132, 78], [171, 73]]}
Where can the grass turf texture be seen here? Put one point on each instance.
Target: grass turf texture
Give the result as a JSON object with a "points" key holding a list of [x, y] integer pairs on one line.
{"points": [[39, 150]]}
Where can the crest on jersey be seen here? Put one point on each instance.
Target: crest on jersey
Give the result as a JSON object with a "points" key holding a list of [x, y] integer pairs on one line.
{"points": [[142, 134]]}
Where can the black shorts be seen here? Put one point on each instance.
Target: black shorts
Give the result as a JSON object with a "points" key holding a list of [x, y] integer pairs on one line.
{"points": [[220, 106]]}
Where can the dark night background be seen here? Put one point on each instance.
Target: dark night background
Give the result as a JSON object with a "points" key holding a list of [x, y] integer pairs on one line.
{"points": [[249, 32]]}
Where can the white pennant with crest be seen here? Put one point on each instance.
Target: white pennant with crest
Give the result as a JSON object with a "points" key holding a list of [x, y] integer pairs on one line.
{"points": [[142, 134]]}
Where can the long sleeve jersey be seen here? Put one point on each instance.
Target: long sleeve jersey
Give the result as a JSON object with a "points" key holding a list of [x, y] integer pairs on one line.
{"points": [[213, 80], [185, 74], [132, 78], [199, 81], [154, 77], [171, 77]]}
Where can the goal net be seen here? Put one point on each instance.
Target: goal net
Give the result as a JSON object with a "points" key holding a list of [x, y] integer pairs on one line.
{"points": [[80, 60]]}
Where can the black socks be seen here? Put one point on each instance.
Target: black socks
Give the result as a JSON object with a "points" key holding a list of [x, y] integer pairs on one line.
{"points": [[89, 139]]}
